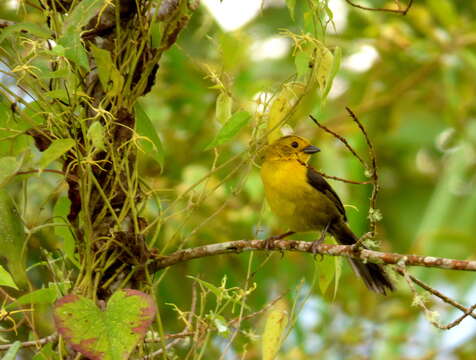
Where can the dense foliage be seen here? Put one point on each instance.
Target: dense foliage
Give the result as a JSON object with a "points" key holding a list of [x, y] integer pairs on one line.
{"points": [[411, 82]]}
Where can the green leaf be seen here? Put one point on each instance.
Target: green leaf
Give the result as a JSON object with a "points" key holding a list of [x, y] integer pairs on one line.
{"points": [[151, 146], [230, 129], [338, 273], [274, 328], [333, 72], [82, 13], [105, 334], [8, 168], [107, 71], [223, 107], [291, 4], [43, 296], [11, 354], [6, 279], [322, 66], [73, 48], [12, 239], [326, 269], [58, 50], [215, 290], [33, 29], [57, 74], [96, 135], [61, 94], [301, 61], [46, 353], [60, 212], [57, 149]]}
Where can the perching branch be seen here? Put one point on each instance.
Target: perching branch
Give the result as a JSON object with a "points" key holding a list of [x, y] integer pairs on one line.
{"points": [[238, 246], [402, 260]]}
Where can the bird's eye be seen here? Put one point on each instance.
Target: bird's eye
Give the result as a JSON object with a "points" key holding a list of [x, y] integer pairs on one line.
{"points": [[294, 144]]}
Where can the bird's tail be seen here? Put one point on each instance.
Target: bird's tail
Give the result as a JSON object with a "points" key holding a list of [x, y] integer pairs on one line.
{"points": [[373, 275]]}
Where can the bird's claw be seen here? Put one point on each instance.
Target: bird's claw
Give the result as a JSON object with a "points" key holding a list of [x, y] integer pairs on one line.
{"points": [[315, 248], [315, 244], [269, 242]]}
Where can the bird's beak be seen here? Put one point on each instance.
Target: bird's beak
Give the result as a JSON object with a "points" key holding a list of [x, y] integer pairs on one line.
{"points": [[311, 149]]}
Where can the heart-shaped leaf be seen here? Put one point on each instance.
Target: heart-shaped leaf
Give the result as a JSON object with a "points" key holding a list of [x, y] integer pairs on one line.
{"points": [[105, 334]]}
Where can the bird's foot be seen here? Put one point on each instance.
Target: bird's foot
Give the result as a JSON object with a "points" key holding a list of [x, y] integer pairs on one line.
{"points": [[269, 242], [315, 245]]}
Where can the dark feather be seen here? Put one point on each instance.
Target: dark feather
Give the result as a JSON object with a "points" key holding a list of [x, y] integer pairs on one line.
{"points": [[374, 275], [320, 184]]}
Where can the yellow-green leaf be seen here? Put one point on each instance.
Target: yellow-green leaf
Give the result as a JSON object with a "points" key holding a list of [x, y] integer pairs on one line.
{"points": [[11, 354], [333, 71], [275, 326], [12, 239], [322, 66], [326, 268], [82, 13], [60, 213], [291, 4], [105, 334], [43, 296], [144, 127], [284, 107], [6, 279], [230, 129], [57, 149], [96, 135], [73, 48], [223, 107], [8, 168], [109, 76]]}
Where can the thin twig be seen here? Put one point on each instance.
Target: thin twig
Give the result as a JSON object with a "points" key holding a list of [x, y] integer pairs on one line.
{"points": [[239, 246], [438, 294], [181, 335], [456, 322], [396, 11], [38, 342], [72, 177], [431, 315], [340, 138], [177, 338], [256, 313], [344, 180], [374, 176]]}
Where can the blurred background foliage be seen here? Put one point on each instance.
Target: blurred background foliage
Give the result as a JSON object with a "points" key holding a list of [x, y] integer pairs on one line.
{"points": [[410, 80]]}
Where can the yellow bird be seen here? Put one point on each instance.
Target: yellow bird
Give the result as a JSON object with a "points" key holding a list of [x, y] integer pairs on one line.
{"points": [[304, 201]]}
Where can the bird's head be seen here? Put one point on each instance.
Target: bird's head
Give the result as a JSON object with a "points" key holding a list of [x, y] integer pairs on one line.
{"points": [[290, 147]]}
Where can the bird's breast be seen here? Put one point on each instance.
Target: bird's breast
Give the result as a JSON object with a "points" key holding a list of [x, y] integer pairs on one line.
{"points": [[289, 195]]}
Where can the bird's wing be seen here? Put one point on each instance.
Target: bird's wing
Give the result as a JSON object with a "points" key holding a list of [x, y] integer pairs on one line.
{"points": [[321, 185]]}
